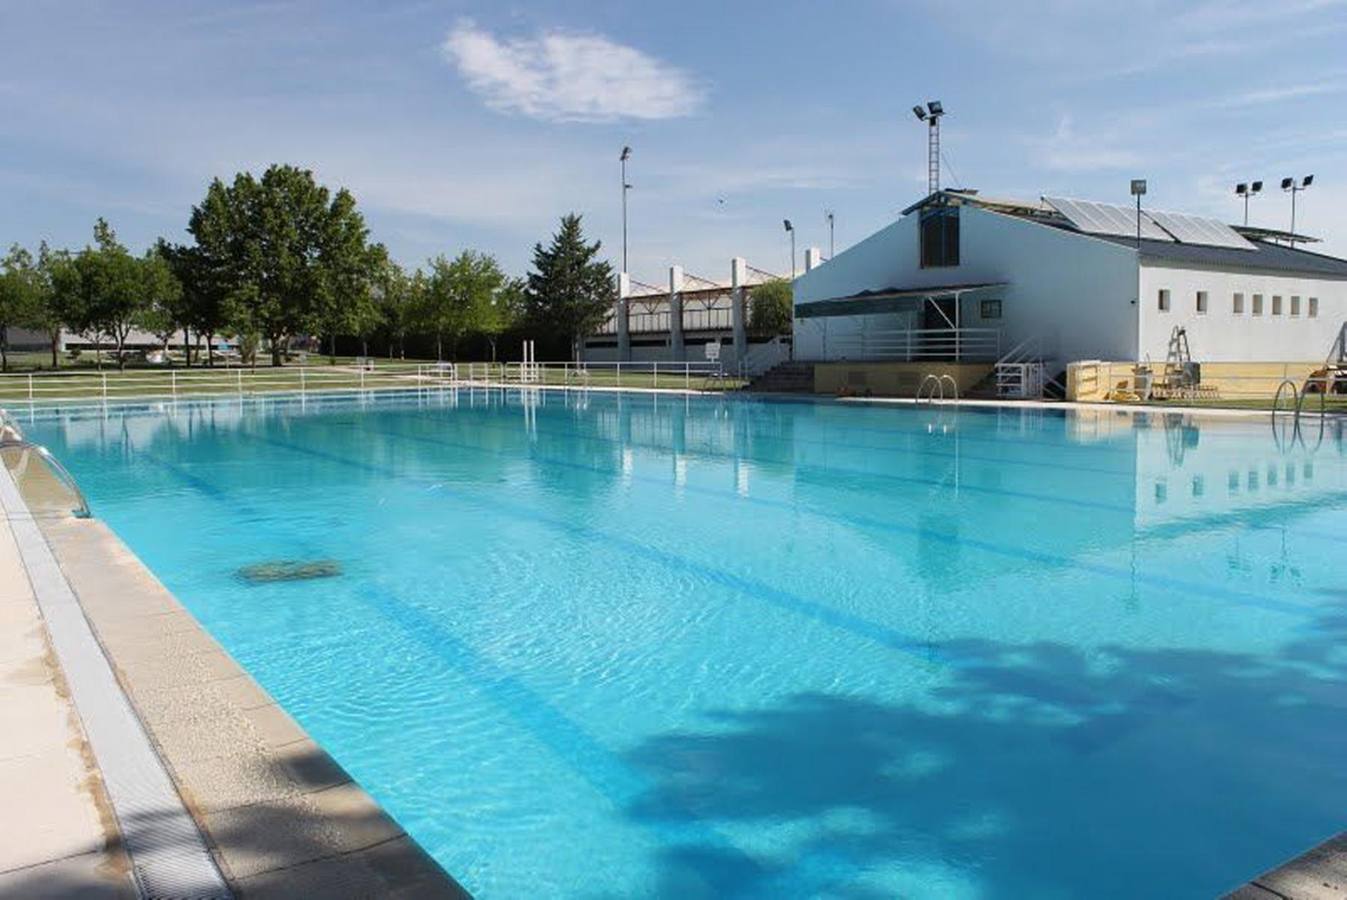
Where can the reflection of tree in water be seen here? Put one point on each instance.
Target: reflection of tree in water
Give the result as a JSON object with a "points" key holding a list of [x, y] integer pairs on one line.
{"points": [[1034, 771]]}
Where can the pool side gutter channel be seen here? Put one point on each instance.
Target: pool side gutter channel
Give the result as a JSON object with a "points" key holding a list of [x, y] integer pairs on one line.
{"points": [[169, 856]]}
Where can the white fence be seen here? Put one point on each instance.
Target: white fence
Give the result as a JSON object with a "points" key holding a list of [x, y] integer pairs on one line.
{"points": [[914, 344], [52, 386]]}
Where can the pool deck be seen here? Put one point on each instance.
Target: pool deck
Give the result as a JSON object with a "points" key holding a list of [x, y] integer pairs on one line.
{"points": [[1317, 874], [271, 813]]}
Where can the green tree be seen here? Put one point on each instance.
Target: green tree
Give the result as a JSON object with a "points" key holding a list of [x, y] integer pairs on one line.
{"points": [[570, 290], [20, 297], [288, 253], [457, 291], [770, 308], [161, 310], [398, 297], [501, 313], [48, 313], [97, 292], [203, 305]]}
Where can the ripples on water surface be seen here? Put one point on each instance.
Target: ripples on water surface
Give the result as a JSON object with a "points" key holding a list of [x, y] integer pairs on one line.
{"points": [[616, 645]]}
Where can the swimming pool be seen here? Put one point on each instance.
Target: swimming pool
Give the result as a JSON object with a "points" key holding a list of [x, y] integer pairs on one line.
{"points": [[612, 645]]}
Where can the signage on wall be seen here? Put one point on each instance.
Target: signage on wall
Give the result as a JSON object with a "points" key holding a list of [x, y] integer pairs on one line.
{"points": [[713, 351]]}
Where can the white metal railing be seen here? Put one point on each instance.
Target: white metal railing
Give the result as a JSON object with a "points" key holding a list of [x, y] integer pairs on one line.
{"points": [[935, 384], [758, 358], [74, 385], [915, 344]]}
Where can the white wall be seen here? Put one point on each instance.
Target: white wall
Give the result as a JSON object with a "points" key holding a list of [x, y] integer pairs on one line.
{"points": [[1222, 336], [1075, 292]]}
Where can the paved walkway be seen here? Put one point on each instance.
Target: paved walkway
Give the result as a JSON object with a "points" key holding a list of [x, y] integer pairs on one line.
{"points": [[57, 837]]}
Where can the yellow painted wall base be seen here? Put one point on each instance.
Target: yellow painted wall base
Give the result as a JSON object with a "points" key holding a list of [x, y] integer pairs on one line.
{"points": [[1094, 380], [891, 379]]}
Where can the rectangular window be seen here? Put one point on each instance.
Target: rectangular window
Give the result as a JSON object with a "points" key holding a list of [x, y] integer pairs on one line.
{"points": [[939, 237], [1238, 306], [1313, 311], [1276, 304], [1202, 303], [1295, 305], [991, 309], [1164, 300], [1257, 304]]}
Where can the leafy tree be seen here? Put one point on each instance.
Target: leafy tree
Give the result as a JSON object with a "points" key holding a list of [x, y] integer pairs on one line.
{"points": [[204, 304], [570, 290], [114, 286], [771, 308], [21, 297], [502, 313], [287, 253], [398, 298], [161, 310], [457, 292], [47, 315]]}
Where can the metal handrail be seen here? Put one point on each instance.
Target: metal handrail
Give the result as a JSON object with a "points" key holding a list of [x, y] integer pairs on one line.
{"points": [[936, 384], [62, 473], [954, 385]]}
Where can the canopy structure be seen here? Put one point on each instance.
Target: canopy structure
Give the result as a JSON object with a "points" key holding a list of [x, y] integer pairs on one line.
{"points": [[888, 300]]}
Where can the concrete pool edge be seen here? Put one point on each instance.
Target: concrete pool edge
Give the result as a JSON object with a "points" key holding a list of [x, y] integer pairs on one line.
{"points": [[273, 815]]}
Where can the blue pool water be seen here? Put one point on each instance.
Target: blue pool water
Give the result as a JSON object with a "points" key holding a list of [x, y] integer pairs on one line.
{"points": [[621, 645]]}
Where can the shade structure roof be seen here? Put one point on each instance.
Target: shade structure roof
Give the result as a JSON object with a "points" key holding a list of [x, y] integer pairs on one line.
{"points": [[886, 300]]}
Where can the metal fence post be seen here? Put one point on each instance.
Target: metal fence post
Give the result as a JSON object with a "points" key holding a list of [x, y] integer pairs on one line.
{"points": [[362, 377], [656, 371], [30, 387], [619, 374], [173, 383], [105, 386], [238, 379], [303, 388]]}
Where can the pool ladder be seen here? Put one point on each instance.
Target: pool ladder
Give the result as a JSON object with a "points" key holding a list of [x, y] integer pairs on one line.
{"points": [[1295, 409], [11, 436], [932, 383]]}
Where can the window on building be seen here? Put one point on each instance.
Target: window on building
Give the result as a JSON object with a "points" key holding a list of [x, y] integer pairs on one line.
{"points": [[1276, 304], [1238, 306], [939, 236], [1295, 305], [1313, 309], [1164, 300], [1257, 304], [1202, 302], [990, 309]]}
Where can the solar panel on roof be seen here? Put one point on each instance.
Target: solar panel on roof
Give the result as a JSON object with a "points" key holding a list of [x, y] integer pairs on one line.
{"points": [[1199, 230], [1105, 218]]}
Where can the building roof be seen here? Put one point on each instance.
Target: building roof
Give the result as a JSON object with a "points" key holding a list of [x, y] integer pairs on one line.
{"points": [[1265, 256], [1253, 248]]}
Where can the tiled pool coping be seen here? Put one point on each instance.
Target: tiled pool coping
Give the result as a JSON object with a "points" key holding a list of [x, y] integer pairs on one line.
{"points": [[278, 816]]}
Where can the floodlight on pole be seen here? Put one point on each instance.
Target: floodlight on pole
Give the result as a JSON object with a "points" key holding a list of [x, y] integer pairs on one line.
{"points": [[1245, 190], [1290, 184], [790, 229], [931, 115], [1138, 191], [626, 155], [831, 244]]}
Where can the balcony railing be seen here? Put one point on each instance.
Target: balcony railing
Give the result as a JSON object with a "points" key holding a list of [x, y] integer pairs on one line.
{"points": [[916, 344]]}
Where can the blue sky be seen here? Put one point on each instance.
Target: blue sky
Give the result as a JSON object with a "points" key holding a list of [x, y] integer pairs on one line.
{"points": [[477, 125]]}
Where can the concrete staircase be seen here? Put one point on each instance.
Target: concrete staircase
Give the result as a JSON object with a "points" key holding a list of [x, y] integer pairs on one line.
{"points": [[789, 377]]}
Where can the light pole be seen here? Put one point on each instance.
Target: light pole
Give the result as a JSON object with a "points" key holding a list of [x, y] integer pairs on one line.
{"points": [[832, 247], [931, 115], [1246, 191], [1138, 191], [626, 155], [790, 229], [1290, 184]]}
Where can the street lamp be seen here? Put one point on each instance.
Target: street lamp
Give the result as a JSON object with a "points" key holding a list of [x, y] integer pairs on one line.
{"points": [[626, 155], [1290, 184], [1246, 191], [790, 229], [831, 243], [931, 115], [1138, 191]]}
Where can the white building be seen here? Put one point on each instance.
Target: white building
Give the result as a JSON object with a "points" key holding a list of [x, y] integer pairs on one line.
{"points": [[966, 278]]}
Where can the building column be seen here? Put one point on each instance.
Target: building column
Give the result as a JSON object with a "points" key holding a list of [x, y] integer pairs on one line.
{"points": [[622, 312], [813, 258], [739, 307], [677, 351]]}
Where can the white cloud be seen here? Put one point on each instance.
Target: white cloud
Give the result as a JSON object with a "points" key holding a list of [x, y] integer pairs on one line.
{"points": [[1066, 151], [566, 77]]}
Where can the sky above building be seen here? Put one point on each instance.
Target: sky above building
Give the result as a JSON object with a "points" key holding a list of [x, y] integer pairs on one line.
{"points": [[474, 125]]}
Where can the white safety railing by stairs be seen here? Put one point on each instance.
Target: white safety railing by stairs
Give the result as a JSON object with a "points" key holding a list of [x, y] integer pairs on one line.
{"points": [[915, 344], [1022, 372]]}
